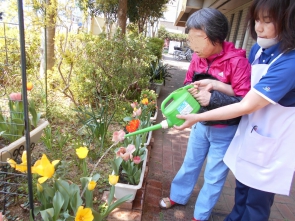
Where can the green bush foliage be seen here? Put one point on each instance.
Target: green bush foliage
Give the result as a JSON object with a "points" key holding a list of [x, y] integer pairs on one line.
{"points": [[94, 65], [155, 45]]}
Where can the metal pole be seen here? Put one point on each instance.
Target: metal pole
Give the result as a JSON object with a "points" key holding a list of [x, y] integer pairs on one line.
{"points": [[25, 100]]}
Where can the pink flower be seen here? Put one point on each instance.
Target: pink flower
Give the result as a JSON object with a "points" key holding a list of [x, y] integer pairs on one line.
{"points": [[118, 136], [15, 96], [136, 112], [136, 160], [134, 105], [126, 153]]}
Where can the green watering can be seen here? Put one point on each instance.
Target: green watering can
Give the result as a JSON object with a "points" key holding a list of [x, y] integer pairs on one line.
{"points": [[178, 102]]}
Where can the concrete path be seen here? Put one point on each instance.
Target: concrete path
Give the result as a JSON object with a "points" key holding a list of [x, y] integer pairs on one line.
{"points": [[166, 157]]}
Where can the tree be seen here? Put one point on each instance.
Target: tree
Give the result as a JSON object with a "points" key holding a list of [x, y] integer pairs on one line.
{"points": [[140, 11], [122, 15]]}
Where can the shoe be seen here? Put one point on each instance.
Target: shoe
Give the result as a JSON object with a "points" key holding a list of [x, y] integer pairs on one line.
{"points": [[166, 203]]}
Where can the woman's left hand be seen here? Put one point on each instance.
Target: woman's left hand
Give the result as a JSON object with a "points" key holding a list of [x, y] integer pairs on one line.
{"points": [[189, 121]]}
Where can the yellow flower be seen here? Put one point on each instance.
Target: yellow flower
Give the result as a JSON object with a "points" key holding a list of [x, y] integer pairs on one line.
{"points": [[84, 214], [145, 101], [91, 185], [113, 179], [20, 167], [39, 187], [82, 152], [11, 162], [44, 168]]}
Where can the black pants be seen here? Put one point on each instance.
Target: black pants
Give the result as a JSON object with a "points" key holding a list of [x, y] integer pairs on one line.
{"points": [[250, 204]]}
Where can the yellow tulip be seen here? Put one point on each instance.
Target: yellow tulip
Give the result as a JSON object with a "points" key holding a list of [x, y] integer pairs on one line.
{"points": [[39, 187], [44, 168], [84, 214], [145, 101], [11, 162], [91, 185], [82, 152], [113, 179]]}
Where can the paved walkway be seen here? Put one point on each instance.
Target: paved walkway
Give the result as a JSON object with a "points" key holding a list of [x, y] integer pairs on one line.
{"points": [[166, 157]]}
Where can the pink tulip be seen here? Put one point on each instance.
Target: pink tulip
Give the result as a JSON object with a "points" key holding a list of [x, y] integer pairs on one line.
{"points": [[126, 153], [136, 112], [15, 96], [136, 160], [134, 105], [118, 136]]}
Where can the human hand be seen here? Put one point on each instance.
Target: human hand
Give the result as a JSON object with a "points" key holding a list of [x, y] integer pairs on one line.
{"points": [[189, 121], [201, 94], [206, 84]]}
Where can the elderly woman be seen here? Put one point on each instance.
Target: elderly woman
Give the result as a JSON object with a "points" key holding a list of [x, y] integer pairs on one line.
{"points": [[261, 155], [213, 58]]}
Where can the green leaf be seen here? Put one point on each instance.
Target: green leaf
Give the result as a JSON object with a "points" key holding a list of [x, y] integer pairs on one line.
{"points": [[58, 202], [47, 215], [64, 188], [75, 201], [97, 216], [116, 204], [95, 177]]}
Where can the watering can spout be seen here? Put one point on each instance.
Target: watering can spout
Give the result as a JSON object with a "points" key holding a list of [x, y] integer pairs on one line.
{"points": [[161, 125]]}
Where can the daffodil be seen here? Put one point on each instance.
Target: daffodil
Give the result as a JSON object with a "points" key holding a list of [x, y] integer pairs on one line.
{"points": [[82, 152], [44, 168], [91, 185], [113, 179], [84, 214]]}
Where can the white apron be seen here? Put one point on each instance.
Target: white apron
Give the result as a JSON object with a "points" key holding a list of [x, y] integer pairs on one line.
{"points": [[262, 153]]}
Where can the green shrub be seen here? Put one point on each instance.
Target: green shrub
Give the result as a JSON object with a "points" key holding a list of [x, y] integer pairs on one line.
{"points": [[155, 45]]}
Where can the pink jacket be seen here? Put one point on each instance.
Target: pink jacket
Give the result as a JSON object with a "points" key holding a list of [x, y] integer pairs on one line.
{"points": [[231, 66]]}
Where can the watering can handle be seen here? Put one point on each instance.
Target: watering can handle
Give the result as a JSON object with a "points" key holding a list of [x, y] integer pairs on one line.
{"points": [[173, 93]]}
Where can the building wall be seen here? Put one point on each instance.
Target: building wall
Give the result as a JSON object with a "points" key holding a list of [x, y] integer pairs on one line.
{"points": [[238, 28]]}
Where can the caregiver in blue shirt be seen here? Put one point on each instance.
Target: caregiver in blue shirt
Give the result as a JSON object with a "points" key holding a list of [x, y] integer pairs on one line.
{"points": [[261, 155]]}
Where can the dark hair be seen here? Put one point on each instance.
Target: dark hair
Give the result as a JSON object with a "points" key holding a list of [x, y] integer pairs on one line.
{"points": [[211, 21], [276, 11], [290, 16]]}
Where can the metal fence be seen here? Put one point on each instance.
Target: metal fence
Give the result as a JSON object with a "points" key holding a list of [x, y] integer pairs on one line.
{"points": [[15, 187]]}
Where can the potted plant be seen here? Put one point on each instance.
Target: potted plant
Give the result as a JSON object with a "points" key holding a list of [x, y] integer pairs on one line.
{"points": [[159, 74], [12, 127], [129, 166]]}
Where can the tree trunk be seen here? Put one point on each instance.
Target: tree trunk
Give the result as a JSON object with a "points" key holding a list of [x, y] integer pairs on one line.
{"points": [[122, 15], [51, 23]]}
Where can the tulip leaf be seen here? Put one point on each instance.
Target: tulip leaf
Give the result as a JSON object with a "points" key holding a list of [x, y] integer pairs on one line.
{"points": [[127, 118], [96, 177], [63, 187], [47, 214], [58, 202], [97, 216], [76, 200]]}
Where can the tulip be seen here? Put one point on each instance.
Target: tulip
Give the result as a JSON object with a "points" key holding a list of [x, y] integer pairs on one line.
{"points": [[145, 101], [136, 112], [11, 162], [113, 179], [15, 96], [91, 185], [126, 153], [84, 214], [134, 105], [137, 160], [133, 125], [29, 86], [39, 187], [82, 152], [118, 136], [44, 168]]}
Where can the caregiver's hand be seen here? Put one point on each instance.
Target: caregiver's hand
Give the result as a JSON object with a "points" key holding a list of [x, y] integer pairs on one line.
{"points": [[190, 120]]}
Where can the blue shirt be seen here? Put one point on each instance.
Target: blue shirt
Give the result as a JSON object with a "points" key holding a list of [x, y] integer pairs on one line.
{"points": [[278, 84]]}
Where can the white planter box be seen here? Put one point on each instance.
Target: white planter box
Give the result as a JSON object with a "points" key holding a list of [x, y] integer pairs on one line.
{"points": [[122, 189], [16, 148], [148, 140], [154, 118]]}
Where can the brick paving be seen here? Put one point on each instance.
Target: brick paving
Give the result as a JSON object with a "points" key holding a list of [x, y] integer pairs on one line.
{"points": [[166, 155]]}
